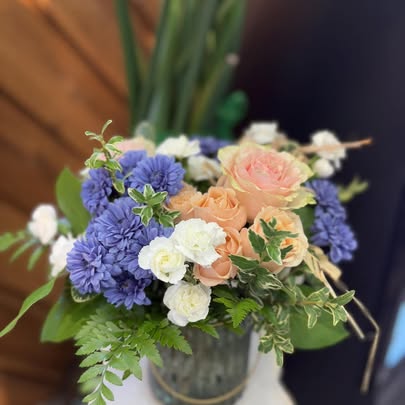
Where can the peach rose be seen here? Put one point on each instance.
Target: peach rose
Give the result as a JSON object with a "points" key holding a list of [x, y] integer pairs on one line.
{"points": [[219, 205], [182, 202], [286, 221], [263, 177], [222, 269]]}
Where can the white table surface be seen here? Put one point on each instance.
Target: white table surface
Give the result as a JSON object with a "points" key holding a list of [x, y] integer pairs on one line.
{"points": [[264, 387]]}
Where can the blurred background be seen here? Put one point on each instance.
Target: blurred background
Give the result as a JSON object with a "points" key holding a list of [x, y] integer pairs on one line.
{"points": [[308, 65]]}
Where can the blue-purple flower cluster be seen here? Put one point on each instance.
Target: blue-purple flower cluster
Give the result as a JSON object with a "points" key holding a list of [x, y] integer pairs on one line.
{"points": [[105, 260], [209, 145], [330, 228], [160, 171]]}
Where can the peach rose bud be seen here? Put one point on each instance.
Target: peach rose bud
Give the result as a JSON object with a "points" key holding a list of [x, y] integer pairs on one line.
{"points": [[219, 205], [222, 269], [182, 202]]}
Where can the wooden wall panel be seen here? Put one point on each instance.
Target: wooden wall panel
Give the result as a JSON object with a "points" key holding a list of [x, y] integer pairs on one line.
{"points": [[61, 73]]}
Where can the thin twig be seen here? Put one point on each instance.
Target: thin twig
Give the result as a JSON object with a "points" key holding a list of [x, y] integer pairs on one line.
{"points": [[350, 319], [331, 148], [365, 384]]}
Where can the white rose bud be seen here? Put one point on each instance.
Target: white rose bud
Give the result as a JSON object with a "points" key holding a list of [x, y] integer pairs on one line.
{"points": [[180, 147], [323, 168], [59, 251], [163, 259], [263, 132], [327, 138], [187, 302], [197, 240], [202, 168], [44, 223]]}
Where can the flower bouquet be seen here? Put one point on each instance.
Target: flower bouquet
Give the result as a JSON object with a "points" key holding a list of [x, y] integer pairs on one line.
{"points": [[159, 244]]}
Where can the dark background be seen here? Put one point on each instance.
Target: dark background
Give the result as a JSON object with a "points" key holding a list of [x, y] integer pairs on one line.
{"points": [[340, 65]]}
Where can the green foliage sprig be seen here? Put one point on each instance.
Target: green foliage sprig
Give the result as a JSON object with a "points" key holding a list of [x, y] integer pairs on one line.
{"points": [[109, 152], [113, 346], [152, 206]]}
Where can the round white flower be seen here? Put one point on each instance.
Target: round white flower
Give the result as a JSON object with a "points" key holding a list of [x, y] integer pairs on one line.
{"points": [[180, 147], [323, 168], [163, 259], [59, 251], [44, 223], [263, 132], [197, 240], [187, 302], [202, 168], [327, 138]]}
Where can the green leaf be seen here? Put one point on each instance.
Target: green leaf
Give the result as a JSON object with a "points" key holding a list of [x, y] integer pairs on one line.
{"points": [[150, 350], [93, 359], [171, 336], [33, 298], [132, 363], [243, 263], [274, 252], [79, 298], [23, 248], [105, 126], [35, 257], [146, 216], [242, 309], [313, 313], [91, 372], [206, 328], [323, 334], [68, 188], [8, 239], [119, 186], [115, 139], [257, 242], [136, 195], [107, 393], [344, 298], [66, 317], [307, 215], [113, 378]]}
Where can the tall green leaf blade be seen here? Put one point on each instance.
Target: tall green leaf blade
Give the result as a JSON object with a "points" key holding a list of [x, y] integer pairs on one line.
{"points": [[68, 188], [204, 21], [33, 298], [131, 58]]}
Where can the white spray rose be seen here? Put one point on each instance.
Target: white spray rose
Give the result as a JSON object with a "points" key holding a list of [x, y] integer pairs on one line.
{"points": [[59, 251], [44, 223], [163, 259], [263, 132], [327, 138], [197, 240], [187, 302], [323, 168], [180, 147], [202, 168]]}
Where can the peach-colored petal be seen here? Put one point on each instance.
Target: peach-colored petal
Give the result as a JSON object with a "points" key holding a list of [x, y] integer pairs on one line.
{"points": [[222, 269], [263, 177], [219, 205], [182, 202]]}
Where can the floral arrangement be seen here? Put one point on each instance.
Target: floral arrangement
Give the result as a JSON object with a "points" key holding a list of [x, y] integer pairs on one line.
{"points": [[192, 233]]}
